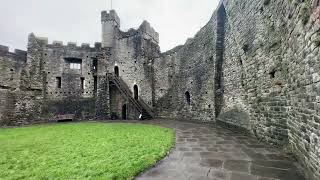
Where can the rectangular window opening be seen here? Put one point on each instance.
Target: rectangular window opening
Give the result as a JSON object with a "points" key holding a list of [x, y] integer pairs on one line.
{"points": [[75, 63], [58, 82]]}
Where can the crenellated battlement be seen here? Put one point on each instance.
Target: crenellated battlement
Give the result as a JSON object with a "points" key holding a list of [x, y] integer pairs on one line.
{"points": [[16, 54], [74, 45], [110, 16]]}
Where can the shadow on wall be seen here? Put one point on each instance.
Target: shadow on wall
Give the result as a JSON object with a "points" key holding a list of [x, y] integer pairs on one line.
{"points": [[220, 48], [235, 118], [81, 107]]}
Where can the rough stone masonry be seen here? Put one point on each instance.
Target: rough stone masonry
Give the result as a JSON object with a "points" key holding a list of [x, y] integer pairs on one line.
{"points": [[255, 66]]}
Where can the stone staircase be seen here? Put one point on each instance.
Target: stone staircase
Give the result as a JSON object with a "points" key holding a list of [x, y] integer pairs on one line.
{"points": [[139, 104]]}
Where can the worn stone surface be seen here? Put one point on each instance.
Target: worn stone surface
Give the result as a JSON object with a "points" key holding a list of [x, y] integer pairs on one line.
{"points": [[253, 67], [185, 162]]}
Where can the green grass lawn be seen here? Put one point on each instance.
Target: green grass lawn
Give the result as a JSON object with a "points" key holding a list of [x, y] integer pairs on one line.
{"points": [[81, 150]]}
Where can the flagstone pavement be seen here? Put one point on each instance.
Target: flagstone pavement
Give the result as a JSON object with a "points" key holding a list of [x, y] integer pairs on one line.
{"points": [[209, 152]]}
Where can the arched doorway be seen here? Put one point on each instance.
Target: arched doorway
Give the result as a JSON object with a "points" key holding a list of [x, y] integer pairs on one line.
{"points": [[135, 92], [116, 71], [188, 97], [124, 111]]}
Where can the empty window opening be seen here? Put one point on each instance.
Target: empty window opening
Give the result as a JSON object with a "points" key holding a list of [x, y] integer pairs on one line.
{"points": [[95, 64], [116, 71], [136, 92], [75, 63], [75, 66], [58, 82], [82, 83], [95, 84], [188, 97]]}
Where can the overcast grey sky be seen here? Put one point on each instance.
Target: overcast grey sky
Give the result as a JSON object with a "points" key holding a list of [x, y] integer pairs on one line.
{"points": [[79, 20]]}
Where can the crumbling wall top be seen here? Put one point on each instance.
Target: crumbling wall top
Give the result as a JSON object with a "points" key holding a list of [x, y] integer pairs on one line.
{"points": [[146, 28]]}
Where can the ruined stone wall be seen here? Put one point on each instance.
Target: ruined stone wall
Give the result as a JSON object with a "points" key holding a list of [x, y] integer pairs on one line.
{"points": [[133, 53], [68, 90], [17, 102], [187, 70], [271, 74], [257, 64]]}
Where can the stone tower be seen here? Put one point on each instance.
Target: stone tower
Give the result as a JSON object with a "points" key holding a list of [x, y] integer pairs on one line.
{"points": [[110, 23]]}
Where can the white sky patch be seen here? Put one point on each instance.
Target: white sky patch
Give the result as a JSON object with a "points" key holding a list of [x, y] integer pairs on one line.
{"points": [[79, 20]]}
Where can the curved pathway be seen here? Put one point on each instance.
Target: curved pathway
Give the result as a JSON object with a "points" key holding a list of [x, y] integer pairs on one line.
{"points": [[204, 152]]}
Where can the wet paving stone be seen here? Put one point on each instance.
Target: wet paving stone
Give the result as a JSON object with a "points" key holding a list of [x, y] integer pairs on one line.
{"points": [[275, 164], [219, 174], [237, 165], [276, 173], [238, 176], [212, 163], [213, 153]]}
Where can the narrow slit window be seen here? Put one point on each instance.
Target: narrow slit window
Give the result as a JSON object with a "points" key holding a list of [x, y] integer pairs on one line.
{"points": [[188, 98], [82, 83], [58, 82], [95, 84], [95, 64]]}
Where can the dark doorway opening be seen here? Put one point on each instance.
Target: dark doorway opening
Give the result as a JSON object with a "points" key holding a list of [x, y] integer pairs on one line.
{"points": [[116, 71], [124, 112], [136, 92], [188, 97]]}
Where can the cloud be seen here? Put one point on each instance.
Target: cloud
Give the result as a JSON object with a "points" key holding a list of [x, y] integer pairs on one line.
{"points": [[79, 20]]}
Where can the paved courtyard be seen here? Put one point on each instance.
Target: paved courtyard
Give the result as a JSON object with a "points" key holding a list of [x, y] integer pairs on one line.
{"points": [[205, 152]]}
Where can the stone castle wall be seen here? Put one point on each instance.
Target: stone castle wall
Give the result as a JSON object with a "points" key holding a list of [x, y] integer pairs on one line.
{"points": [[255, 66], [19, 104], [187, 70], [263, 78], [271, 74], [133, 54]]}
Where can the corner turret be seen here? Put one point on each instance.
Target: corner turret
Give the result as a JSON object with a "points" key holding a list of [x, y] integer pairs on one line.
{"points": [[110, 22]]}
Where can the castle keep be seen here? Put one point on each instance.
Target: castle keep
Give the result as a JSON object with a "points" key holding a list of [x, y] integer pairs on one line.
{"points": [[254, 66]]}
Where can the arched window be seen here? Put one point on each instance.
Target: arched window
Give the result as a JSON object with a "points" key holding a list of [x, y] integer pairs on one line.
{"points": [[135, 92], [116, 70], [188, 97]]}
